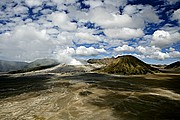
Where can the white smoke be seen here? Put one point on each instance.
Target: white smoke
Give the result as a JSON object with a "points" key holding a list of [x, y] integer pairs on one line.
{"points": [[65, 56]]}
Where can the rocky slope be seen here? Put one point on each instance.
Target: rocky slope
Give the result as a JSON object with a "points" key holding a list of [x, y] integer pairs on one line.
{"points": [[6, 66], [174, 65]]}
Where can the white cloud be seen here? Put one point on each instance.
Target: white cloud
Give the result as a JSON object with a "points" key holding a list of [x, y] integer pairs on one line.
{"points": [[159, 55], [174, 54], [134, 16], [65, 38], [32, 3], [37, 9], [163, 38], [18, 10], [115, 42], [94, 3], [146, 12], [171, 49], [147, 50], [130, 9], [46, 11], [176, 15], [87, 38], [91, 51], [102, 17], [25, 43], [173, 1], [52, 31], [170, 28], [124, 48], [106, 3], [124, 33], [62, 20], [156, 53], [116, 3], [64, 1], [149, 14], [66, 55], [28, 38]]}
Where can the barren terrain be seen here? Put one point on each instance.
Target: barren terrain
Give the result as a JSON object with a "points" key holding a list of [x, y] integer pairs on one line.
{"points": [[46, 95]]}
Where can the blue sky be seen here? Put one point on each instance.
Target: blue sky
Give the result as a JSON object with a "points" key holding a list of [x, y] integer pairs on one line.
{"points": [[69, 30]]}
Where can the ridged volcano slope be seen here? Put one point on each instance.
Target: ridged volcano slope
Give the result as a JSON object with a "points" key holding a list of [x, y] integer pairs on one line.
{"points": [[173, 65], [128, 65]]}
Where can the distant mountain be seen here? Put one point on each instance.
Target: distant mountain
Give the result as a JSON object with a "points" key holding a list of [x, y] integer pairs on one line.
{"points": [[38, 65], [175, 65], [127, 65], [42, 62], [6, 66], [18, 67]]}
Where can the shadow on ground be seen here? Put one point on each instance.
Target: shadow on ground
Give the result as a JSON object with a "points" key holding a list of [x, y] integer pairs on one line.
{"points": [[143, 107], [12, 86], [123, 101], [129, 97], [129, 83]]}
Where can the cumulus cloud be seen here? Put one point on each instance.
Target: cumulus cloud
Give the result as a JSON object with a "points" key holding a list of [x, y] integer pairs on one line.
{"points": [[124, 33], [93, 3], [174, 54], [163, 38], [156, 53], [34, 29], [116, 3], [67, 55], [149, 52], [32, 3], [87, 38], [91, 51], [62, 20], [130, 10], [124, 48], [18, 10], [147, 12], [134, 16], [63, 1], [102, 17], [176, 15], [65, 38], [25, 43]]}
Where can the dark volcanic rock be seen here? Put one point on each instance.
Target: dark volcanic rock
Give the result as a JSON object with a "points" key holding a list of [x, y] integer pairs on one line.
{"points": [[173, 65]]}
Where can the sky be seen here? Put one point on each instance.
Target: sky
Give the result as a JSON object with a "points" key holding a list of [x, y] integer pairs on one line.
{"points": [[73, 30]]}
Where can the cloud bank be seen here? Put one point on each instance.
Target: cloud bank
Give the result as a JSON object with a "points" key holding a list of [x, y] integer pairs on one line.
{"points": [[68, 30]]}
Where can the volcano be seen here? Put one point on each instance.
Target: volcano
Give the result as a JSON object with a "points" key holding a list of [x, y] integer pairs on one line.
{"points": [[128, 65]]}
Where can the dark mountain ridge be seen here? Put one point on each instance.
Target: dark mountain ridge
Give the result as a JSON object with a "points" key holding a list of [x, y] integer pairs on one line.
{"points": [[173, 65], [6, 66], [16, 67]]}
